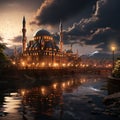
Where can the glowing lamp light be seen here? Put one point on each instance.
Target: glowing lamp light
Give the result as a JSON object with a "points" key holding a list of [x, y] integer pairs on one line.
{"points": [[22, 92], [43, 64], [113, 48], [76, 65], [83, 65], [63, 85], [68, 83], [87, 65], [49, 64], [55, 65], [55, 85], [84, 80], [13, 62], [23, 63], [43, 91], [33, 63], [109, 65], [63, 64], [68, 64]]}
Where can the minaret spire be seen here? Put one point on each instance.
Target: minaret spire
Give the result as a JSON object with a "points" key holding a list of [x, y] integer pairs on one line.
{"points": [[61, 36], [24, 40], [15, 52]]}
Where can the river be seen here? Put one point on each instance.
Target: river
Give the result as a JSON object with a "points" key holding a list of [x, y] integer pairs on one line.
{"points": [[78, 97]]}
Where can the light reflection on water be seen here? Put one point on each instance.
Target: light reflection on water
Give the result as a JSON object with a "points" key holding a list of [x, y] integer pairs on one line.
{"points": [[68, 99]]}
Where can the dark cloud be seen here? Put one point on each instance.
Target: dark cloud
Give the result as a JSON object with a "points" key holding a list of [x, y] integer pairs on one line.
{"points": [[26, 4], [1, 39], [104, 39], [102, 28], [50, 12], [109, 15], [17, 39]]}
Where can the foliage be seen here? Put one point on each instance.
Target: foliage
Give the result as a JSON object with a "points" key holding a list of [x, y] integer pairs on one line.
{"points": [[2, 47], [3, 57], [116, 70]]}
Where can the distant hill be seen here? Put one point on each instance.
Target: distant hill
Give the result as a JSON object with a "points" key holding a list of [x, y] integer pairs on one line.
{"points": [[99, 56], [10, 51]]}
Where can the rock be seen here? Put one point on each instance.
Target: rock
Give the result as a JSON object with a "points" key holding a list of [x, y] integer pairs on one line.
{"points": [[112, 98], [115, 96], [98, 109], [106, 113], [112, 103], [93, 105]]}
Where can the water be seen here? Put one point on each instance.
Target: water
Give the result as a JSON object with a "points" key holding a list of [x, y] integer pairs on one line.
{"points": [[70, 98]]}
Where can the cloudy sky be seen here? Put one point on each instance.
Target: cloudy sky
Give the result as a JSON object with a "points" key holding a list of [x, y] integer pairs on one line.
{"points": [[89, 25]]}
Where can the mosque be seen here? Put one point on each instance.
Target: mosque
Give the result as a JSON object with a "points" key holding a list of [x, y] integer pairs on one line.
{"points": [[43, 51]]}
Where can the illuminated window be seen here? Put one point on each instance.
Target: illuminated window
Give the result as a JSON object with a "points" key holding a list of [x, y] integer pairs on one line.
{"points": [[44, 37]]}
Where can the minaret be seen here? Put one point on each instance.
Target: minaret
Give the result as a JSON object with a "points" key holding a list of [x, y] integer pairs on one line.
{"points": [[15, 52], [71, 47], [24, 40], [61, 37], [77, 53]]}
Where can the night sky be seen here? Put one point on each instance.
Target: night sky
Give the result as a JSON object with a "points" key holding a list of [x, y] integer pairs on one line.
{"points": [[89, 25]]}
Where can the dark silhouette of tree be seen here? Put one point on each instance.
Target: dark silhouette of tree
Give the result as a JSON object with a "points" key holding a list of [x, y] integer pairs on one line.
{"points": [[3, 57]]}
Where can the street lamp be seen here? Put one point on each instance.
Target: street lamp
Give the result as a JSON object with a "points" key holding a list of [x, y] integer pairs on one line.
{"points": [[113, 56]]}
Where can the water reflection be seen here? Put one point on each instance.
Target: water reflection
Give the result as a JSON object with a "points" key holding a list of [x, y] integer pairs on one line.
{"points": [[10, 105], [43, 99], [70, 96]]}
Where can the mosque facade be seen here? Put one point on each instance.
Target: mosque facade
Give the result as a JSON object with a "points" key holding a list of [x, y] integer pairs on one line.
{"points": [[43, 51]]}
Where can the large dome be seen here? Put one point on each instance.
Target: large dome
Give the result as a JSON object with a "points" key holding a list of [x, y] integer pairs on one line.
{"points": [[42, 32]]}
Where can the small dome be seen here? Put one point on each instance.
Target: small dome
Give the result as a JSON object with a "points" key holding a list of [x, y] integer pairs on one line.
{"points": [[69, 51], [42, 32]]}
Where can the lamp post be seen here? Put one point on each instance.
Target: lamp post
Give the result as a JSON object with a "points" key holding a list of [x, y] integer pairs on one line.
{"points": [[113, 55]]}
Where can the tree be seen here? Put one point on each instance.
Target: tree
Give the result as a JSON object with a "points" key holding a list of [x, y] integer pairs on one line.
{"points": [[3, 57], [116, 70]]}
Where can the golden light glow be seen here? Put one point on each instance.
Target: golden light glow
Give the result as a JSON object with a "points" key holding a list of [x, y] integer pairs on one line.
{"points": [[13, 62], [68, 64], [49, 64], [87, 65], [22, 92], [55, 85], [11, 104], [43, 64], [23, 63], [68, 83], [63, 64], [63, 85], [113, 48], [43, 91], [55, 65]]}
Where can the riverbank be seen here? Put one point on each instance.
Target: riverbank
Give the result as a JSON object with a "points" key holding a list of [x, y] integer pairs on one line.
{"points": [[112, 103], [113, 78], [14, 77], [77, 97]]}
